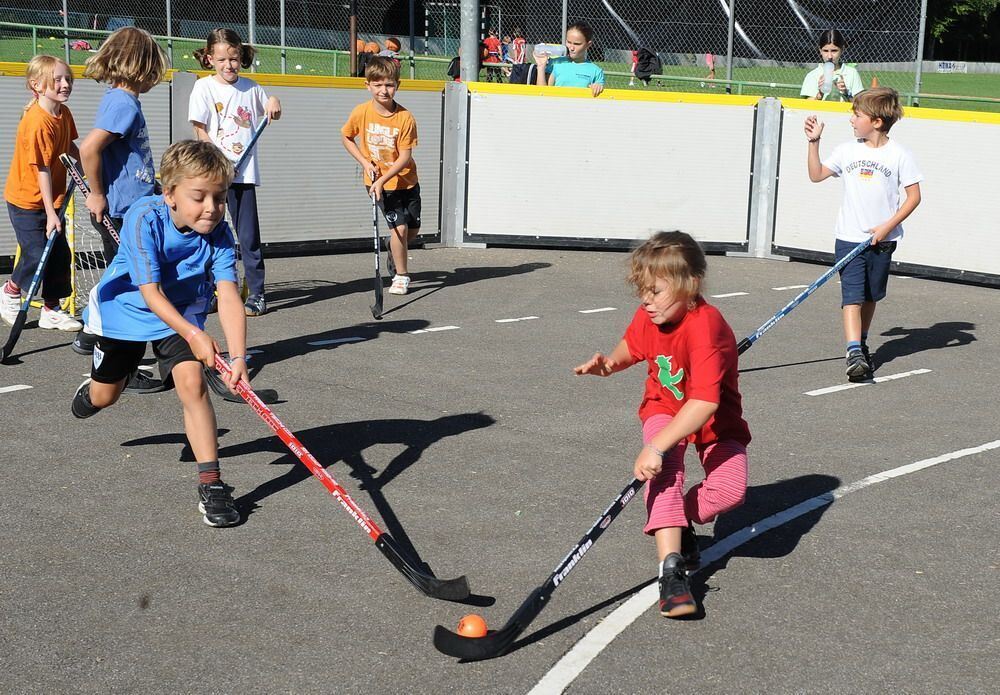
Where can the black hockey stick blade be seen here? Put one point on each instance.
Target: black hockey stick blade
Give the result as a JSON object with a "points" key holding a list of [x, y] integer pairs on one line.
{"points": [[495, 643], [269, 396], [15, 332], [743, 346], [444, 589]]}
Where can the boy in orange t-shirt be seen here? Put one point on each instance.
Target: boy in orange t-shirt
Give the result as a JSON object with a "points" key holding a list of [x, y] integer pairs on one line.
{"points": [[385, 152], [35, 188]]}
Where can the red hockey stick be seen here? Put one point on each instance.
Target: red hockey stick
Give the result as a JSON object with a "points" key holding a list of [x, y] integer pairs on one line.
{"points": [[447, 589]]}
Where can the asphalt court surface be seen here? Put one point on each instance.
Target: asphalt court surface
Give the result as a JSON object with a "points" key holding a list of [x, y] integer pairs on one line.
{"points": [[474, 445]]}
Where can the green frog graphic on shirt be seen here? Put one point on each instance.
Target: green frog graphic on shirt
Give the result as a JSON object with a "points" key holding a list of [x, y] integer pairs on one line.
{"points": [[667, 378]]}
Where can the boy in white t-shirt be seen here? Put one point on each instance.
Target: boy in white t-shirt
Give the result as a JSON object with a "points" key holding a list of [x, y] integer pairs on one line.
{"points": [[873, 169]]}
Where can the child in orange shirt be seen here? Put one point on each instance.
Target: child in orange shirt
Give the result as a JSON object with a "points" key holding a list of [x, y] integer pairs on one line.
{"points": [[388, 135], [36, 186]]}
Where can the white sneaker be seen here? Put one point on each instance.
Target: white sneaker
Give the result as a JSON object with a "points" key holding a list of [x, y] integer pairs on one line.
{"points": [[400, 284], [9, 307], [59, 320]]}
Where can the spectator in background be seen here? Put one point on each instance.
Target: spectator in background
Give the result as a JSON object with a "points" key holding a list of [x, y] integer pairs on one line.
{"points": [[392, 47], [635, 61], [491, 56], [518, 48], [846, 80], [574, 69]]}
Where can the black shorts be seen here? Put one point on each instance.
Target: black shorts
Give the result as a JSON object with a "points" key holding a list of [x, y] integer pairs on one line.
{"points": [[401, 207], [115, 359]]}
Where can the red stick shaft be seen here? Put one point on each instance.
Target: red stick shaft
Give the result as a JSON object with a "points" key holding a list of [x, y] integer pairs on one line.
{"points": [[300, 451]]}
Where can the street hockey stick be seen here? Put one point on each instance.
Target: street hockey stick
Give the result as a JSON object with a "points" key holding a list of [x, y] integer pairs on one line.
{"points": [[497, 642], [250, 145], [377, 306], [747, 342], [445, 589], [77, 176], [22, 315]]}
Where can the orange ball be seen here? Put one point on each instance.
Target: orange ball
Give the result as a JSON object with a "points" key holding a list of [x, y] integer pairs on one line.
{"points": [[472, 626]]}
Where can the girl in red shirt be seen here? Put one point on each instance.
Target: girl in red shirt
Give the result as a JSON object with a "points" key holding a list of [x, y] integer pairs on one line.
{"points": [[691, 394]]}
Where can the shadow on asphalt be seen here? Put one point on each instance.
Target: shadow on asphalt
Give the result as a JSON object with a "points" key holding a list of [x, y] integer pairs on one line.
{"points": [[297, 346], [913, 340], [288, 295], [761, 502], [789, 364]]}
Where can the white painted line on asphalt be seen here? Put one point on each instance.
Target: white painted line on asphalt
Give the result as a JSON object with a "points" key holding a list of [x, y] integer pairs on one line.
{"points": [[338, 341], [876, 380], [434, 330], [593, 643], [15, 387], [523, 318], [595, 311], [790, 287], [729, 294]]}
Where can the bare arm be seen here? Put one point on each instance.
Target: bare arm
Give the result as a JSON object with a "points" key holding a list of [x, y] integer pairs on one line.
{"points": [[48, 200], [690, 418], [814, 130], [606, 365], [200, 131], [909, 205], [90, 158]]}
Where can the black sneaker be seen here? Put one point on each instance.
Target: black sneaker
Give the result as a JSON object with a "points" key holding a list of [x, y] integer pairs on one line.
{"points": [[857, 365], [868, 358], [140, 383], [82, 407], [216, 503], [689, 548], [255, 305], [83, 343], [676, 599]]}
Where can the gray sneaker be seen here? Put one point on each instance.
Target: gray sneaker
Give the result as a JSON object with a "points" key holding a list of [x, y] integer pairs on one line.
{"points": [[857, 365], [255, 305]]}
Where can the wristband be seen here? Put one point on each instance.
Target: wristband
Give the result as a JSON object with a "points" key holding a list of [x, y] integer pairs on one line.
{"points": [[656, 451], [813, 139], [193, 333]]}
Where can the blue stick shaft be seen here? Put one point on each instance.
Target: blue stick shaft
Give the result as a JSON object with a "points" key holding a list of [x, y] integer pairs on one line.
{"points": [[745, 344], [251, 144]]}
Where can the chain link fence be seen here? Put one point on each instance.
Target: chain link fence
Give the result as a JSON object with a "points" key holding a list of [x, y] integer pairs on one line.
{"points": [[743, 46]]}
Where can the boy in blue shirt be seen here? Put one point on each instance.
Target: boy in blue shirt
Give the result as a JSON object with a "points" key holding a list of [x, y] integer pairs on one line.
{"points": [[176, 250]]}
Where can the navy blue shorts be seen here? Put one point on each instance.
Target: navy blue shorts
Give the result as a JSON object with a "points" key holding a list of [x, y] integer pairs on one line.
{"points": [[864, 279]]}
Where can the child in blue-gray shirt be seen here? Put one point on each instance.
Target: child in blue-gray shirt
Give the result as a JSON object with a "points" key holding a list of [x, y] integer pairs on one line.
{"points": [[176, 251], [116, 155], [573, 70]]}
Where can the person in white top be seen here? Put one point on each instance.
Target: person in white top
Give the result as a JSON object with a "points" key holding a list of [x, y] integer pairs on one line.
{"points": [[846, 81], [226, 109], [873, 169]]}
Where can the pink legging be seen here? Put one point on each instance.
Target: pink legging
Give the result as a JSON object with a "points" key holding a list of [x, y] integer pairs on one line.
{"points": [[724, 486]]}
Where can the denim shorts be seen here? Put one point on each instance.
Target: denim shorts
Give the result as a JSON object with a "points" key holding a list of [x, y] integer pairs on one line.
{"points": [[864, 279]]}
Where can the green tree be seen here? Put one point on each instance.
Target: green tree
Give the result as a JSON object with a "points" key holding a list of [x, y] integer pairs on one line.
{"points": [[962, 29]]}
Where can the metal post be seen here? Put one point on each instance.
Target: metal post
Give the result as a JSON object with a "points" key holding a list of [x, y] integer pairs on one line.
{"points": [[170, 34], [281, 29], [413, 37], [251, 33], [65, 31], [352, 36], [729, 47], [469, 41], [565, 19], [920, 51]]}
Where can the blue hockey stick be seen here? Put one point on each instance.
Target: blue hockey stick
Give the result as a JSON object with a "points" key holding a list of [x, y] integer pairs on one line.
{"points": [[22, 315], [745, 344], [251, 144]]}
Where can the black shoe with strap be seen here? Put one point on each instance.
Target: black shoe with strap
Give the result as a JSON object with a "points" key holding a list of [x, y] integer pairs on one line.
{"points": [[676, 599], [82, 407], [215, 501], [857, 365], [140, 383]]}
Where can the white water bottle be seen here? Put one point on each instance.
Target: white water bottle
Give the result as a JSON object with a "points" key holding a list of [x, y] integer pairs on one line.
{"points": [[827, 77], [552, 50]]}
